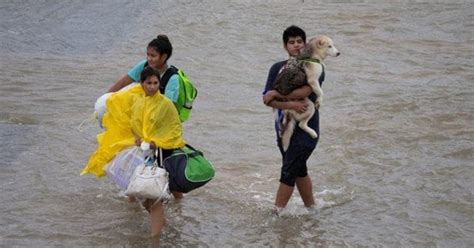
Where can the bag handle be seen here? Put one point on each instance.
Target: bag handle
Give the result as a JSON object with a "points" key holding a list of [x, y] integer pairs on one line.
{"points": [[195, 151], [160, 157]]}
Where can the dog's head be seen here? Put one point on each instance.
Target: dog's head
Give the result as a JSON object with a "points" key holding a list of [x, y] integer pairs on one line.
{"points": [[320, 47]]}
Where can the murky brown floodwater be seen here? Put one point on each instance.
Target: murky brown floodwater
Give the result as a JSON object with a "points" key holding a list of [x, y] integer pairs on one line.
{"points": [[394, 166]]}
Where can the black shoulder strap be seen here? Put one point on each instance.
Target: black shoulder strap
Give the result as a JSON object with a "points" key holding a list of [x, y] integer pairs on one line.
{"points": [[166, 77]]}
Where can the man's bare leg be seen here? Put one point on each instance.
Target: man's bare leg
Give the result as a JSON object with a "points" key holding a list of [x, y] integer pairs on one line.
{"points": [[283, 195], [305, 188]]}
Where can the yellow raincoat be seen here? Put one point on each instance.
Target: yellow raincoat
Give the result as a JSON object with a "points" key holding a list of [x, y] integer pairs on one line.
{"points": [[152, 118]]}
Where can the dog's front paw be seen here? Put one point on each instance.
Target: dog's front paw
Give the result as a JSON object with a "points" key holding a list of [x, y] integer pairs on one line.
{"points": [[313, 134], [318, 102]]}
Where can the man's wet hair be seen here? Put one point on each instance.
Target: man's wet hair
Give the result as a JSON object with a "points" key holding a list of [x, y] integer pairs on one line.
{"points": [[293, 31]]}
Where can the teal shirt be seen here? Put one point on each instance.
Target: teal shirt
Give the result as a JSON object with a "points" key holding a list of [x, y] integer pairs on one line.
{"points": [[172, 88]]}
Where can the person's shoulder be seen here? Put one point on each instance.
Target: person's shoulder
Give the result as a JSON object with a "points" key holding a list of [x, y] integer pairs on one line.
{"points": [[174, 79], [138, 67], [170, 75], [278, 65], [167, 102], [172, 69], [134, 72], [162, 99], [141, 64], [173, 82]]}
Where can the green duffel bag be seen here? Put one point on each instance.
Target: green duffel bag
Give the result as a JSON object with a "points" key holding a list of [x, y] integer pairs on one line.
{"points": [[188, 169]]}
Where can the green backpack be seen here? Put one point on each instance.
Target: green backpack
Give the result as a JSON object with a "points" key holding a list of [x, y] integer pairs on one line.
{"points": [[186, 96], [187, 92]]}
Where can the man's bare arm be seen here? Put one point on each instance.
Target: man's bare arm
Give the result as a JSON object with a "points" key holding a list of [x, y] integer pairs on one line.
{"points": [[300, 93], [296, 94], [299, 106]]}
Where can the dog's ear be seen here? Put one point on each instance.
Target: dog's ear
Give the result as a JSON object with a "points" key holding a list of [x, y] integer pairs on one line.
{"points": [[320, 43]]}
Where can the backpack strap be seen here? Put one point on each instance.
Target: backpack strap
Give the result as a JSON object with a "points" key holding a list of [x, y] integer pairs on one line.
{"points": [[166, 77], [195, 151]]}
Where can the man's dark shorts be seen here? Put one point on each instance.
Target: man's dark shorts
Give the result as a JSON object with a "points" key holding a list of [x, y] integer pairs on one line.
{"points": [[294, 164], [300, 149]]}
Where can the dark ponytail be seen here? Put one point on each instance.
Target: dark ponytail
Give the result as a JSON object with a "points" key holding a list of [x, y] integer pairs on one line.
{"points": [[162, 45]]}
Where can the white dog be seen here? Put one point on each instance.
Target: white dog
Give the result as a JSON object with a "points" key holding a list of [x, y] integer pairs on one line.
{"points": [[309, 61]]}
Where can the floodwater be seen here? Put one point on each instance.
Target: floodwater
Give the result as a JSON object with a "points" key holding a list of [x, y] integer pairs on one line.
{"points": [[394, 166]]}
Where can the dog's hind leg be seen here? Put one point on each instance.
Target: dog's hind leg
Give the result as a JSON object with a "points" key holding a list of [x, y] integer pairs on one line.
{"points": [[287, 133], [303, 124]]}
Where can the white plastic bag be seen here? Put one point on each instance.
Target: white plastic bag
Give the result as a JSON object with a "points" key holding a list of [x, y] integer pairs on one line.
{"points": [[121, 169], [100, 107], [149, 180]]}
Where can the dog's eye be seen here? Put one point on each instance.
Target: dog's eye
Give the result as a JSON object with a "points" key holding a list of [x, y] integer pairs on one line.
{"points": [[330, 46]]}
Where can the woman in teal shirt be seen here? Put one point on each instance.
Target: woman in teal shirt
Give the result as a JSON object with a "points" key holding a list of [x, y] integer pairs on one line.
{"points": [[158, 52]]}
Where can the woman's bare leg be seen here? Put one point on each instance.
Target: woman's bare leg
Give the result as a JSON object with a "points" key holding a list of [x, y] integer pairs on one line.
{"points": [[177, 195], [157, 217]]}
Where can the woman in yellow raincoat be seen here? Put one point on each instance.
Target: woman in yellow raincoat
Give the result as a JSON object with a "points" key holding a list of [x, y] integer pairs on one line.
{"points": [[140, 114]]}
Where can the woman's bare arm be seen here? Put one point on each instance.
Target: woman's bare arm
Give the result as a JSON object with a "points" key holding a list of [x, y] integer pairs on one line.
{"points": [[122, 82]]}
